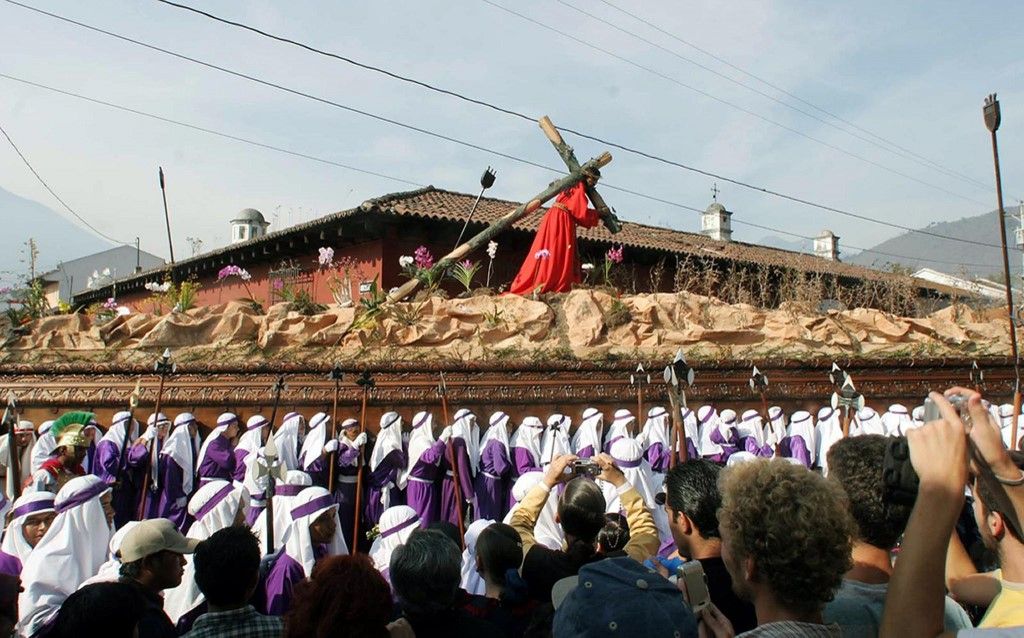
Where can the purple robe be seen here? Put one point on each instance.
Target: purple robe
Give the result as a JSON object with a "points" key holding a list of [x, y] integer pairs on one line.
{"points": [[173, 503], [763, 451], [586, 452], [524, 461], [378, 479], [126, 481], [280, 582], [10, 565], [219, 460], [492, 482], [138, 459], [729, 445], [451, 504], [658, 456], [345, 477], [795, 447], [422, 491], [238, 474]]}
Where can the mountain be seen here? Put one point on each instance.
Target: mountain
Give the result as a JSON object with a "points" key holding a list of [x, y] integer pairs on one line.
{"points": [[914, 248], [796, 245], [57, 239]]}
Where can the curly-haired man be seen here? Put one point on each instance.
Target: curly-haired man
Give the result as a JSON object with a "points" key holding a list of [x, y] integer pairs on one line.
{"points": [[786, 543]]}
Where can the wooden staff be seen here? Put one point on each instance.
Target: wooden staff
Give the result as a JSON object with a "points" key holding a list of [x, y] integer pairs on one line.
{"points": [[637, 378], [365, 381], [676, 375], [133, 404], [336, 375], [442, 391], [163, 367], [11, 419]]}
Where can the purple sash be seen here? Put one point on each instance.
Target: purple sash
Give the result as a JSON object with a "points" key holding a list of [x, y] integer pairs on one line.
{"points": [[214, 501]]}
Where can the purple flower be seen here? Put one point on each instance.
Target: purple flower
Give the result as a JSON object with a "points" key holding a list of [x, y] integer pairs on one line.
{"points": [[424, 259], [543, 253], [615, 255], [232, 270], [277, 284], [5, 289], [110, 304], [467, 264]]}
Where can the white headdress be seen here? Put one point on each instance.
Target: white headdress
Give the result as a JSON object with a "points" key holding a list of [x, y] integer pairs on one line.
{"points": [[619, 427], [528, 436], [181, 446], [396, 526], [707, 422], [71, 551], [867, 421], [44, 446], [556, 438], [389, 438], [28, 504], [589, 432], [751, 425], [316, 439], [110, 570], [287, 439], [801, 425], [472, 582], [828, 431], [308, 506], [897, 420], [224, 421], [466, 428], [657, 428]]}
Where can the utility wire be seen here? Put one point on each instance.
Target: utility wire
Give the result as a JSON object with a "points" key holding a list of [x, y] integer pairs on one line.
{"points": [[564, 129], [55, 195], [771, 85], [322, 160], [732, 105], [492, 151]]}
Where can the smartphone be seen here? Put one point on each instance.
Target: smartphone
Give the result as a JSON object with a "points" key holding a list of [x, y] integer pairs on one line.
{"points": [[697, 595]]}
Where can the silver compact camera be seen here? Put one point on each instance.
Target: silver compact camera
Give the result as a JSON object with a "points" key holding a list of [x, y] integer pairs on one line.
{"points": [[932, 413], [585, 467]]}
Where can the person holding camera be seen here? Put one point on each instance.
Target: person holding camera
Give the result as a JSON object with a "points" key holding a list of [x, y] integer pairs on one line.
{"points": [[581, 509], [963, 447]]}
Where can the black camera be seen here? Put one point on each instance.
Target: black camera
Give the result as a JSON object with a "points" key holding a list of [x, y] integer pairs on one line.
{"points": [[898, 474]]}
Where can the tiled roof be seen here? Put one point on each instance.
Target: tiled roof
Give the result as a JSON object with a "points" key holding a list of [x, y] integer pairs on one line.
{"points": [[435, 203]]}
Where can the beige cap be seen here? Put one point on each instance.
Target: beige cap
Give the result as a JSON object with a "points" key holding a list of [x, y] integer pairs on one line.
{"points": [[152, 536]]}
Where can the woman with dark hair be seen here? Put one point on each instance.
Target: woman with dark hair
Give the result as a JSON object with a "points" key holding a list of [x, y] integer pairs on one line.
{"points": [[615, 533], [345, 596], [506, 601]]}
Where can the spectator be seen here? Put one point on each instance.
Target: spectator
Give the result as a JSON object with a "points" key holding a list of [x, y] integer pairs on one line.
{"points": [[506, 601], [620, 593], [227, 573], [100, 610], [692, 500], [10, 588], [152, 560], [31, 515], [614, 535], [786, 543], [939, 454], [856, 465], [425, 575], [472, 580], [581, 510], [346, 596]]}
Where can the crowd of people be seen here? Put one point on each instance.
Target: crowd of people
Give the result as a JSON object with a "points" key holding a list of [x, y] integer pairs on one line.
{"points": [[776, 526]]}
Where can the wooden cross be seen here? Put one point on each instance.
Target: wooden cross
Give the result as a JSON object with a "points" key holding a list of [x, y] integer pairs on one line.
{"points": [[577, 173], [715, 191]]}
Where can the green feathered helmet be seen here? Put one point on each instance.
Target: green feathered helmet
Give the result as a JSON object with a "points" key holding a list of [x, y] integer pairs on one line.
{"points": [[68, 430]]}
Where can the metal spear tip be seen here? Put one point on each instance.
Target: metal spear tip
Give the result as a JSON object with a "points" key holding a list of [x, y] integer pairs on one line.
{"points": [[835, 401], [270, 451], [992, 114], [670, 376], [487, 179], [336, 374]]}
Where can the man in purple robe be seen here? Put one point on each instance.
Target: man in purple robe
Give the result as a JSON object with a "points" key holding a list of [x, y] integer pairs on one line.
{"points": [[420, 479], [144, 456], [586, 442], [465, 449], [346, 449], [525, 444], [654, 439], [257, 431], [112, 467], [387, 462], [177, 470], [799, 439], [495, 471], [217, 458]]}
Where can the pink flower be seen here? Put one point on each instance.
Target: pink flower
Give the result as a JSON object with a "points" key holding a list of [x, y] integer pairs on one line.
{"points": [[467, 264], [232, 270], [110, 304], [277, 284], [424, 259], [543, 253], [615, 255]]}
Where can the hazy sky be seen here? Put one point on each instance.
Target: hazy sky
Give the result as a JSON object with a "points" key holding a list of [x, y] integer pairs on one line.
{"points": [[914, 74]]}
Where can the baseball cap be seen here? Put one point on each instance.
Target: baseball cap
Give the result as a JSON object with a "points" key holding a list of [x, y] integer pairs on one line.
{"points": [[620, 597], [152, 536]]}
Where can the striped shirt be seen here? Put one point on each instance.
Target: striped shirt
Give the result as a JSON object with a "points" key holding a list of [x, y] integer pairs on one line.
{"points": [[237, 623]]}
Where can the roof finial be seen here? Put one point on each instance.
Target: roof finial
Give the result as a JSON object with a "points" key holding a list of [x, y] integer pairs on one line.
{"points": [[715, 191]]}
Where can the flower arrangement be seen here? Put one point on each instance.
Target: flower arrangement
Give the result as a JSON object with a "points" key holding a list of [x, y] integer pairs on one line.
{"points": [[326, 257], [420, 266], [109, 309], [339, 280], [612, 258], [232, 270], [463, 272], [492, 252]]}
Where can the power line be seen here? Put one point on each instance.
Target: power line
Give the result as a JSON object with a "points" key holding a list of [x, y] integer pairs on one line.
{"points": [[827, 112], [732, 105], [55, 195], [771, 97], [315, 158], [565, 129], [492, 151]]}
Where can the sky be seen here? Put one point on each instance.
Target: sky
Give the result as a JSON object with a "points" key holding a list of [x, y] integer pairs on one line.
{"points": [[912, 74]]}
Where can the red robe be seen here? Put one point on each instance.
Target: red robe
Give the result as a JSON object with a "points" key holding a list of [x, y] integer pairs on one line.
{"points": [[552, 263]]}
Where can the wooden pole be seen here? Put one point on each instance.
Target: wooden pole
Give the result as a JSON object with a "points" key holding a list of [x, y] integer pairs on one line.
{"points": [[332, 458], [152, 449], [453, 461], [502, 224], [359, 475]]}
